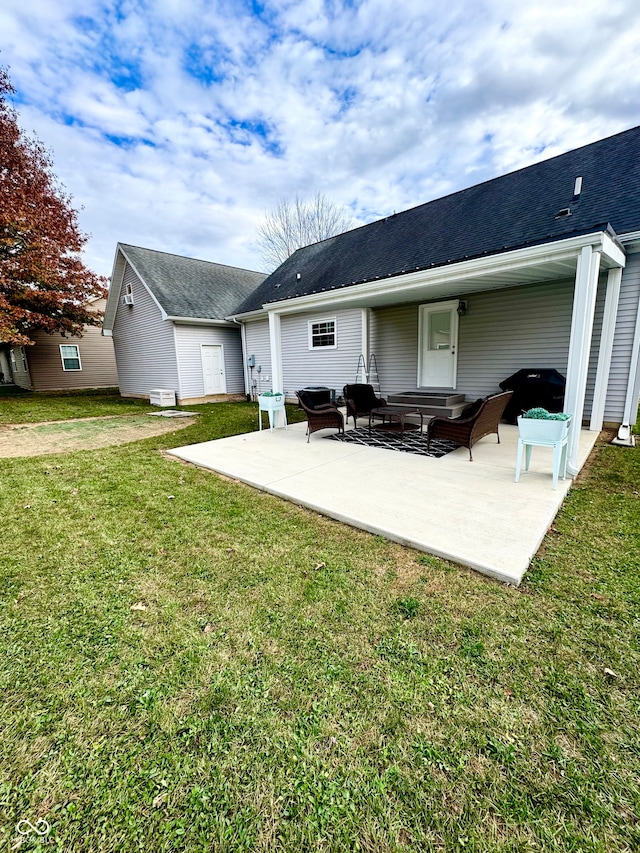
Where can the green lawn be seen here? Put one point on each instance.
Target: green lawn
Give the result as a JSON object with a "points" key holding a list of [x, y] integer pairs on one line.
{"points": [[193, 665], [35, 408]]}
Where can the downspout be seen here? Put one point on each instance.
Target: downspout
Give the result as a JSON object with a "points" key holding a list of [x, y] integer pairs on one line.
{"points": [[365, 346], [176, 349], [625, 435], [245, 357]]}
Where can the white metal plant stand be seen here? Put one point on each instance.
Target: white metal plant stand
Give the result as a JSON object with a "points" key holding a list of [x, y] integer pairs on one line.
{"points": [[542, 433], [272, 405]]}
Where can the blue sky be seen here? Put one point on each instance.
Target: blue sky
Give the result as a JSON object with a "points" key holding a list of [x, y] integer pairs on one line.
{"points": [[175, 124]]}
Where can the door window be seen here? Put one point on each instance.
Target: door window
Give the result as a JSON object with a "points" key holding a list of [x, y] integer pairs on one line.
{"points": [[440, 330]]}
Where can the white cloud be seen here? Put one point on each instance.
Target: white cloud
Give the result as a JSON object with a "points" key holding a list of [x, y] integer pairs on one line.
{"points": [[176, 123]]}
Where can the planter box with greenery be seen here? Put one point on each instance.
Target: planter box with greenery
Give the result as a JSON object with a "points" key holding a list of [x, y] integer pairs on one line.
{"points": [[540, 425], [271, 400]]}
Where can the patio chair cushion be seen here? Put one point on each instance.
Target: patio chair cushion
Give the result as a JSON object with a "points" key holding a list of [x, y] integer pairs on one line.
{"points": [[478, 419], [325, 416], [309, 400], [360, 399], [471, 408]]}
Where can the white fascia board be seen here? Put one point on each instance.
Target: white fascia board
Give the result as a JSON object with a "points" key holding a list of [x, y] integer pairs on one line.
{"points": [[613, 252], [457, 272], [163, 313], [111, 307], [197, 321]]}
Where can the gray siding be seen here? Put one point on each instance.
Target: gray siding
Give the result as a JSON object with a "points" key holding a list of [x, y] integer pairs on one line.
{"points": [[506, 330], [331, 367], [257, 342], [188, 347], [144, 344], [97, 360], [502, 331], [595, 345], [393, 339], [625, 328]]}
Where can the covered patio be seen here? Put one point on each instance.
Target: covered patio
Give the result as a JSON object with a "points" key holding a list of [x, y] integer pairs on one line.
{"points": [[472, 513]]}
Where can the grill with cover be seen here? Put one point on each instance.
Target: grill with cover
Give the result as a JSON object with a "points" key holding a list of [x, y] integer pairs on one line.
{"points": [[533, 387]]}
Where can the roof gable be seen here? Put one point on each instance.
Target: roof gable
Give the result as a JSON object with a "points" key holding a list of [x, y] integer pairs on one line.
{"points": [[510, 212], [191, 288]]}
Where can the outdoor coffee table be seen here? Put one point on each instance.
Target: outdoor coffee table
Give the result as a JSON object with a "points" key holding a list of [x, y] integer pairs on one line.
{"points": [[394, 419]]}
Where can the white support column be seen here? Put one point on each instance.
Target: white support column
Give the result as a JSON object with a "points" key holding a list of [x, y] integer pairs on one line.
{"points": [[275, 341], [584, 305], [606, 348]]}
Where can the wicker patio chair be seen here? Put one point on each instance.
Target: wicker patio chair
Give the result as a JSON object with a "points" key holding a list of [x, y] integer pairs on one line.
{"points": [[476, 420], [360, 399], [324, 416]]}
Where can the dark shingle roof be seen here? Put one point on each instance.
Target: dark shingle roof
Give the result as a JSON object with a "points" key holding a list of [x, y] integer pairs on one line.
{"points": [[186, 287], [513, 211]]}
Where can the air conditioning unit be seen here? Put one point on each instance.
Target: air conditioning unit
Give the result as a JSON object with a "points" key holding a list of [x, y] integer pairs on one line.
{"points": [[127, 299]]}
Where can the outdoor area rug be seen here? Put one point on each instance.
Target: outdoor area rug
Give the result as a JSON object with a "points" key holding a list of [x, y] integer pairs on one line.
{"points": [[412, 442]]}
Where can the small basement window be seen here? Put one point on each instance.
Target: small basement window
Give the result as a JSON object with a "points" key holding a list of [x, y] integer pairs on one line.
{"points": [[322, 334], [70, 355]]}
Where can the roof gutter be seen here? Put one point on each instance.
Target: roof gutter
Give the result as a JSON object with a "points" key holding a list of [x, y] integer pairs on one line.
{"points": [[196, 321], [249, 315], [630, 240]]}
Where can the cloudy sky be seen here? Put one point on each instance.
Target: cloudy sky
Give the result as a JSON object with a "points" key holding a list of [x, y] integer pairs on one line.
{"points": [[175, 124]]}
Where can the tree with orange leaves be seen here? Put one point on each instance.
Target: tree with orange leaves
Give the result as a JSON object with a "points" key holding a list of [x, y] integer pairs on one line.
{"points": [[43, 282]]}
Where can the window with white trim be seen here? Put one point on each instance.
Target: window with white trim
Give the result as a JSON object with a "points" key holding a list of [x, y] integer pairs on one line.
{"points": [[14, 354], [323, 334], [70, 355]]}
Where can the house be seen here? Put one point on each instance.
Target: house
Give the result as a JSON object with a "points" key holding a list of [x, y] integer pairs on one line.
{"points": [[166, 316], [59, 362], [539, 268]]}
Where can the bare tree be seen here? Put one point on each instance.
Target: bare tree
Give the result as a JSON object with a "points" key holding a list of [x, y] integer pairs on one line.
{"points": [[294, 224]]}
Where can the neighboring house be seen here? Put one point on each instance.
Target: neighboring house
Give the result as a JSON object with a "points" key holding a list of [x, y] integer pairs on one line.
{"points": [[539, 268], [166, 314], [63, 362]]}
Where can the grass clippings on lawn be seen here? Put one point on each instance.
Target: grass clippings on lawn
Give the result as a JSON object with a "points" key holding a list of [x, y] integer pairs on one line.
{"points": [[82, 434], [191, 665]]}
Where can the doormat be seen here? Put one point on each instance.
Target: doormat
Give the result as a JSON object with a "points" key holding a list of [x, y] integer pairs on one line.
{"points": [[412, 442]]}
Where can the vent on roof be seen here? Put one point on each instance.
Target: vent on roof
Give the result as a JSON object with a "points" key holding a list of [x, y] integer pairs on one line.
{"points": [[577, 187], [565, 211]]}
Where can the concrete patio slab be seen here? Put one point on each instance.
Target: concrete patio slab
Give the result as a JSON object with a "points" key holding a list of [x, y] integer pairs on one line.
{"points": [[472, 513]]}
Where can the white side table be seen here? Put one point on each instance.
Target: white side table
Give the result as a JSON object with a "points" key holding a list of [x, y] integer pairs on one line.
{"points": [[540, 433], [271, 405]]}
